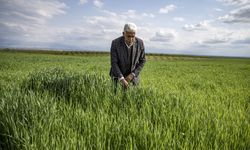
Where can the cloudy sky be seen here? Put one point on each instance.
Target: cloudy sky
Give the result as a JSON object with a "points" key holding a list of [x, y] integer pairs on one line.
{"points": [[204, 27]]}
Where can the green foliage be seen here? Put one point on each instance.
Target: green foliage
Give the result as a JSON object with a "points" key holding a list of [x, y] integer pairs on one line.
{"points": [[64, 102]]}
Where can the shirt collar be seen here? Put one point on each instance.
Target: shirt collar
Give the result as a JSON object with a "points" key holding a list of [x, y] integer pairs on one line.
{"points": [[129, 46]]}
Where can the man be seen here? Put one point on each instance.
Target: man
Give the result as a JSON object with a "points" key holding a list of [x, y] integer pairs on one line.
{"points": [[127, 57]]}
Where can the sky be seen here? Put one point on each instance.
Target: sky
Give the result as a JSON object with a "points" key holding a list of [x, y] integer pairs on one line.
{"points": [[193, 27]]}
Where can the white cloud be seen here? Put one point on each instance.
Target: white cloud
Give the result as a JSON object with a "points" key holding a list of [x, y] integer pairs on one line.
{"points": [[204, 25], [180, 19], [164, 36], [107, 26], [104, 21], [148, 15], [25, 21], [218, 9], [98, 3], [27, 17], [112, 23], [81, 2], [202, 33], [239, 15], [28, 9], [110, 13], [245, 40], [167, 9], [216, 40], [130, 14], [212, 38], [235, 2]]}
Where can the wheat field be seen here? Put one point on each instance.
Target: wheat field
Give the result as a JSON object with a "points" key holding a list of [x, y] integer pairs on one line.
{"points": [[65, 100]]}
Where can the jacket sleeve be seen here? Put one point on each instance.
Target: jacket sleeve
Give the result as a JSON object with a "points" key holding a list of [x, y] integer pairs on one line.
{"points": [[116, 72], [141, 62]]}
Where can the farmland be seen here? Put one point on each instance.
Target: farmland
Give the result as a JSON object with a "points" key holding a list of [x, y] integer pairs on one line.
{"points": [[60, 100]]}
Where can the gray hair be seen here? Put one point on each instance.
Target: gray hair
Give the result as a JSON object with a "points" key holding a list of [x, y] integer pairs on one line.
{"points": [[130, 27]]}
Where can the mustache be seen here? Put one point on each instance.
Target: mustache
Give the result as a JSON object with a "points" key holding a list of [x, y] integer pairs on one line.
{"points": [[130, 40]]}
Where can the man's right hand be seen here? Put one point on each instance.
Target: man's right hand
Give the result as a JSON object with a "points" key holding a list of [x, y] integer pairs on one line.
{"points": [[124, 83]]}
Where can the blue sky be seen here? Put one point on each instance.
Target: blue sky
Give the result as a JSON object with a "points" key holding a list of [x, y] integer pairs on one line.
{"points": [[204, 27]]}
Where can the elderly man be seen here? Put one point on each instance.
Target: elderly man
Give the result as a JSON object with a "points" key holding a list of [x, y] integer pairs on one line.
{"points": [[127, 57]]}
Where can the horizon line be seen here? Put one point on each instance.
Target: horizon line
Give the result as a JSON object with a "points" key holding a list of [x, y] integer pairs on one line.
{"points": [[102, 51]]}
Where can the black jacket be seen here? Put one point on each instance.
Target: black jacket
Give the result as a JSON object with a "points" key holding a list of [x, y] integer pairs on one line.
{"points": [[119, 60]]}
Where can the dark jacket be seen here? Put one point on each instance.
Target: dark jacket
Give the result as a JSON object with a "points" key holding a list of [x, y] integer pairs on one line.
{"points": [[119, 60]]}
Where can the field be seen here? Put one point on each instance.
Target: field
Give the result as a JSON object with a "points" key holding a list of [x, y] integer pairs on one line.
{"points": [[63, 100]]}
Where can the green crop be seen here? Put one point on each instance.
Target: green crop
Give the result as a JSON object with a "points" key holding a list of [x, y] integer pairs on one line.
{"points": [[55, 101]]}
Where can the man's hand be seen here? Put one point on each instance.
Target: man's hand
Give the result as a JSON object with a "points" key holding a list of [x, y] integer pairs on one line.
{"points": [[124, 83], [129, 77]]}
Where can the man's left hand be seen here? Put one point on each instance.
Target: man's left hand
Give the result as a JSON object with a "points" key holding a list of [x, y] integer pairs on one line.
{"points": [[129, 77]]}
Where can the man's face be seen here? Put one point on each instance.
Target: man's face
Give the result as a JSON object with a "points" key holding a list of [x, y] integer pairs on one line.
{"points": [[129, 37]]}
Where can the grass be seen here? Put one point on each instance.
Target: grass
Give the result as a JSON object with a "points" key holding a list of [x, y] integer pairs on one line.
{"points": [[53, 101]]}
